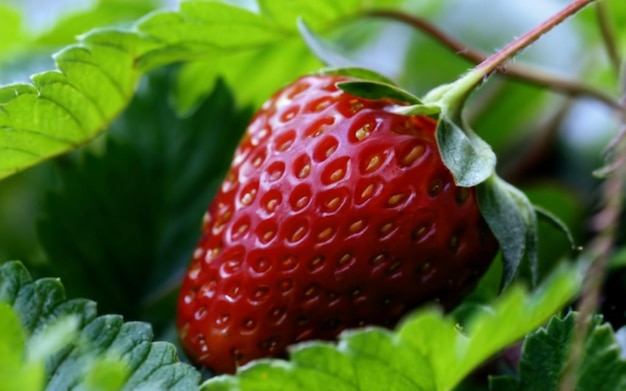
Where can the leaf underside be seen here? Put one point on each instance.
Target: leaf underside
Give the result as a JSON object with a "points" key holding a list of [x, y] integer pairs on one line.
{"points": [[154, 182], [469, 158], [512, 219], [326, 52], [40, 303]]}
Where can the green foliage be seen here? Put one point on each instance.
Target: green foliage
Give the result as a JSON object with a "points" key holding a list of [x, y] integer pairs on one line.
{"points": [[11, 28], [257, 70], [50, 341], [468, 157], [521, 102], [62, 110], [255, 74], [545, 354], [56, 343], [325, 51], [26, 47], [122, 220], [513, 221], [16, 373], [419, 355], [377, 90], [102, 13], [153, 180], [359, 73]]}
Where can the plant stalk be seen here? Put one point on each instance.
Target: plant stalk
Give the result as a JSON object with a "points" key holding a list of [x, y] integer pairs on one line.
{"points": [[455, 96], [525, 73]]}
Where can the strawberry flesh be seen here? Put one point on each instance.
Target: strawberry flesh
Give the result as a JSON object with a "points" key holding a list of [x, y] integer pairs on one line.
{"points": [[335, 213]]}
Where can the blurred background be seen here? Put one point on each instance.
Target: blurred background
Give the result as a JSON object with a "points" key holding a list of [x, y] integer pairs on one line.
{"points": [[118, 219]]}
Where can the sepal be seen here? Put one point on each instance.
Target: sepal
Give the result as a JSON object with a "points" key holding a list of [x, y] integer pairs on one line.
{"points": [[513, 221]]}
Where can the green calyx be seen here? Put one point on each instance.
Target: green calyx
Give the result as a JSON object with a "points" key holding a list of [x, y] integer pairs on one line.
{"points": [[513, 221]]}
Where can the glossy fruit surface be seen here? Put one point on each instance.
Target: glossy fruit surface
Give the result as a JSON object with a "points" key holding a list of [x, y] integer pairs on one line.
{"points": [[335, 213]]}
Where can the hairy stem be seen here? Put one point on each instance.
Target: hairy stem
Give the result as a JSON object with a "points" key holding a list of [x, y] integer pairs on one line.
{"points": [[510, 50], [525, 73], [454, 97]]}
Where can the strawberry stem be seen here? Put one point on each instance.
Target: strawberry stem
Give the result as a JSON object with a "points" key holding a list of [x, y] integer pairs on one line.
{"points": [[523, 72], [491, 63], [454, 95]]}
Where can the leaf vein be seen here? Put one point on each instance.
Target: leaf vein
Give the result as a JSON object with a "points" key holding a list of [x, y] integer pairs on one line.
{"points": [[111, 80], [38, 134], [83, 129], [20, 150], [82, 93], [398, 373]]}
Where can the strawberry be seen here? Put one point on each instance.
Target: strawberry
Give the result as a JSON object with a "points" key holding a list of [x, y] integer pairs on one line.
{"points": [[335, 213]]}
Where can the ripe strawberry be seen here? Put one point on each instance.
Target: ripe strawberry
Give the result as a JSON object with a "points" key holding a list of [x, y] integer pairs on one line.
{"points": [[336, 213]]}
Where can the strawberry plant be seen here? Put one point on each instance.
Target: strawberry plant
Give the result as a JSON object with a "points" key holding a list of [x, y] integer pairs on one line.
{"points": [[244, 195]]}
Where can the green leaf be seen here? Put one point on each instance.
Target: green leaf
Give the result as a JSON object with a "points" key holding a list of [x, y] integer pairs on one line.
{"points": [[358, 73], [557, 223], [274, 65], [325, 51], [501, 113], [102, 13], [97, 77], [11, 27], [49, 320], [568, 207], [16, 372], [64, 109], [122, 223], [468, 157], [375, 90], [51, 339], [12, 339], [419, 355], [512, 219], [100, 74], [107, 373], [486, 291], [546, 351], [316, 13], [210, 23]]}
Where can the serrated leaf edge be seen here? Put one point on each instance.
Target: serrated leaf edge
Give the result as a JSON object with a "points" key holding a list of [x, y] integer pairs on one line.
{"points": [[77, 347]]}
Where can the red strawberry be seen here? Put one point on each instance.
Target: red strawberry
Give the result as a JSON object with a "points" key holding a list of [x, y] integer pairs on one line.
{"points": [[336, 213]]}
